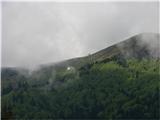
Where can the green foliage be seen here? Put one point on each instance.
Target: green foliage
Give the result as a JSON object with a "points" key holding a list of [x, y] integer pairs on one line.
{"points": [[126, 89]]}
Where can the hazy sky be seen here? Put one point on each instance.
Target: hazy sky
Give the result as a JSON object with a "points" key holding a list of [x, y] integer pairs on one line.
{"points": [[42, 32]]}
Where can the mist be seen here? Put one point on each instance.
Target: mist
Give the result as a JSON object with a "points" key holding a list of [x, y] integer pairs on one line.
{"points": [[35, 33]]}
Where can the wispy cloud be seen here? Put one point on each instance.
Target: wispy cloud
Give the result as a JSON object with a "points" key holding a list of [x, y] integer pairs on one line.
{"points": [[36, 33]]}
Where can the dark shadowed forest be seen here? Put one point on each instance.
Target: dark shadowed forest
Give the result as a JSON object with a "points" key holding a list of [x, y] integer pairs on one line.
{"points": [[98, 87]]}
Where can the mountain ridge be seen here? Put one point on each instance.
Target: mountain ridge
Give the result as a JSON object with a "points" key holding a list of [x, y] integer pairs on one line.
{"points": [[133, 47], [137, 46]]}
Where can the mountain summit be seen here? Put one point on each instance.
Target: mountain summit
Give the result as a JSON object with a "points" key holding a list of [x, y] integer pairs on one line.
{"points": [[144, 45], [139, 46]]}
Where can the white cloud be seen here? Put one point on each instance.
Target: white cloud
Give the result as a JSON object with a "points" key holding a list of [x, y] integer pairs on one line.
{"points": [[42, 32]]}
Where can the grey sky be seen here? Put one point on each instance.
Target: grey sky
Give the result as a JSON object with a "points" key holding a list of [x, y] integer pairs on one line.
{"points": [[42, 32]]}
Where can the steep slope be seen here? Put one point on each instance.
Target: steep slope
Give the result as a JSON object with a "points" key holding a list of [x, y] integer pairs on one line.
{"points": [[145, 45]]}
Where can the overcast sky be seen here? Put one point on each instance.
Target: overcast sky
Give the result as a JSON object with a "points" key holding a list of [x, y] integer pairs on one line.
{"points": [[44, 32]]}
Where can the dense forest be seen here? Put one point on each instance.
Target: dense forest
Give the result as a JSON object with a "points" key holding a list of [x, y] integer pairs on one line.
{"points": [[118, 82], [109, 89]]}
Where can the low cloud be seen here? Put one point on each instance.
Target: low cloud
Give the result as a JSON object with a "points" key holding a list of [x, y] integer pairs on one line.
{"points": [[35, 33]]}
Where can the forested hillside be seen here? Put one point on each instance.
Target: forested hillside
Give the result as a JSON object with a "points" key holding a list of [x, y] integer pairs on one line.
{"points": [[100, 90], [116, 87]]}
